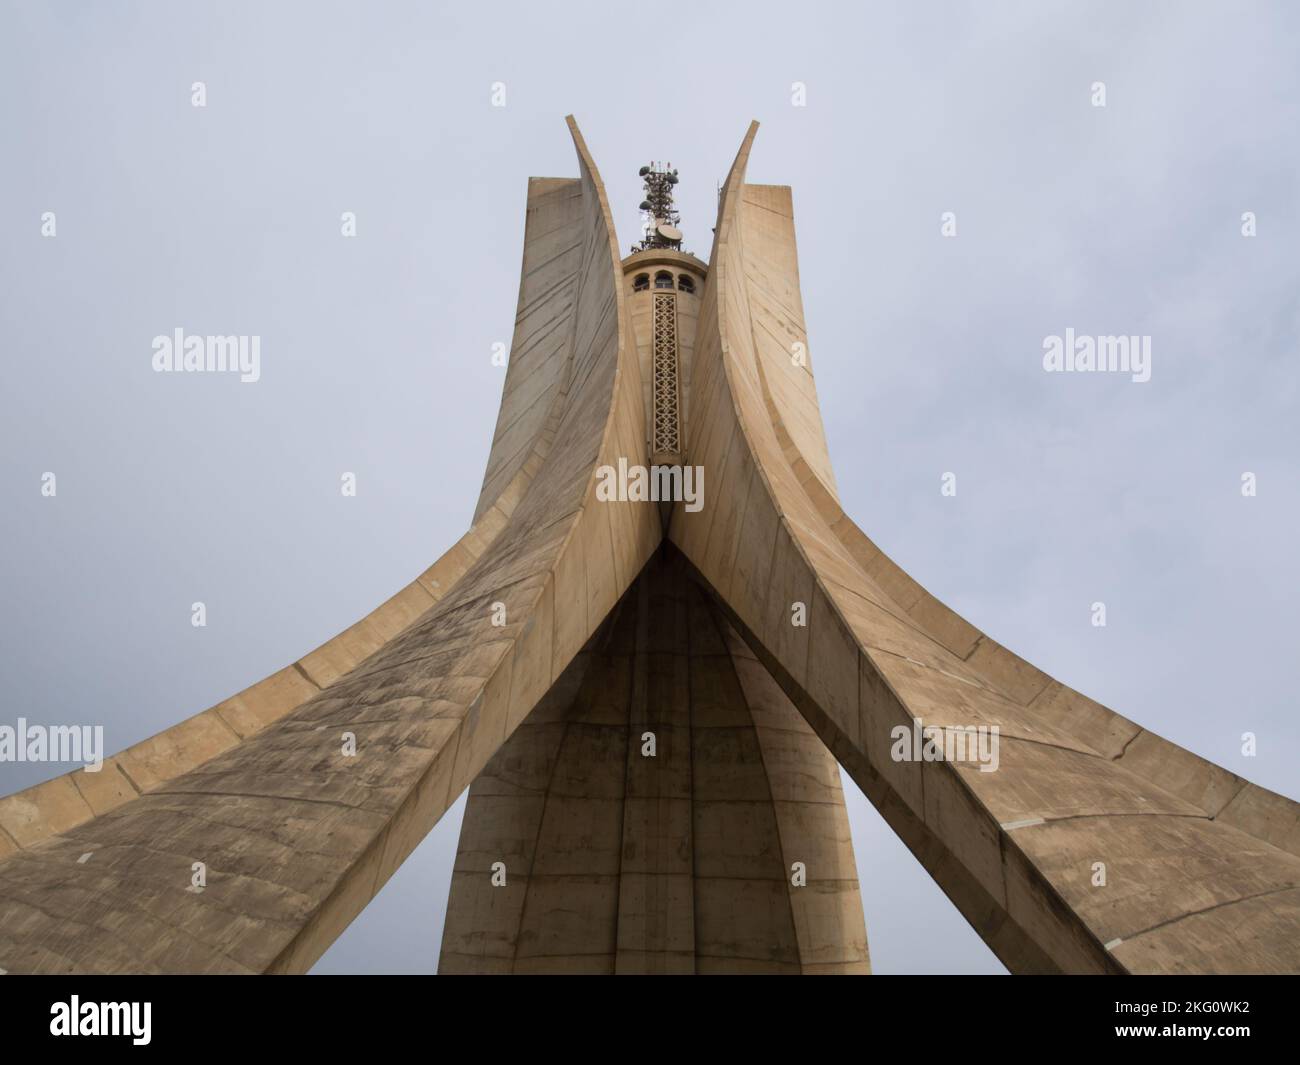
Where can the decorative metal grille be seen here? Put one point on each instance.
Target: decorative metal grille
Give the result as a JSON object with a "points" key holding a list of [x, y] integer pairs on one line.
{"points": [[667, 426]]}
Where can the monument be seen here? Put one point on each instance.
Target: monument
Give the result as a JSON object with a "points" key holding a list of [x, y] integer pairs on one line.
{"points": [[646, 661]]}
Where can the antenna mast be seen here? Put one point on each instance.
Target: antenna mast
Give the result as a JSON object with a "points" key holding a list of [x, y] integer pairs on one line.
{"points": [[660, 229]]}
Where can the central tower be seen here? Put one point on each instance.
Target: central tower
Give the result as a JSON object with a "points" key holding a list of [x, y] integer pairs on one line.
{"points": [[663, 285]]}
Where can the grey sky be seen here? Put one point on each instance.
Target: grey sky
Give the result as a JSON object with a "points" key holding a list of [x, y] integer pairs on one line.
{"points": [[375, 351]]}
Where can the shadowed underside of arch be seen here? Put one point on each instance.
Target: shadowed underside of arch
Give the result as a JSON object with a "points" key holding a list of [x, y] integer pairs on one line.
{"points": [[649, 815], [534, 657]]}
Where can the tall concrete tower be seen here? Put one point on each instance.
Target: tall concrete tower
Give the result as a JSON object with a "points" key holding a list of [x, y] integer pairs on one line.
{"points": [[656, 811], [664, 285], [650, 705]]}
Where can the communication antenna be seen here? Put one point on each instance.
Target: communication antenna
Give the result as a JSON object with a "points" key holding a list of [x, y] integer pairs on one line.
{"points": [[661, 217]]}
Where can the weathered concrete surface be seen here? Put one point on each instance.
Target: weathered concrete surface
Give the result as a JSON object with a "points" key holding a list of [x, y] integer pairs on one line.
{"points": [[532, 403], [680, 862], [641, 314], [296, 837], [687, 866], [1202, 872]]}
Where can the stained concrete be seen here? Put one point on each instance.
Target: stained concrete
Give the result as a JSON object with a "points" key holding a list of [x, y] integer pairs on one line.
{"points": [[620, 864], [680, 861]]}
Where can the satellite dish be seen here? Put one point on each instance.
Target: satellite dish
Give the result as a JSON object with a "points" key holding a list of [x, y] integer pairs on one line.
{"points": [[672, 178], [643, 171], [645, 205], [669, 232]]}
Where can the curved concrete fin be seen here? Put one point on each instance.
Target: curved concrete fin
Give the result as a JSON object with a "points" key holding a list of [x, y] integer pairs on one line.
{"points": [[541, 349], [1093, 845], [651, 814], [265, 845], [245, 839]]}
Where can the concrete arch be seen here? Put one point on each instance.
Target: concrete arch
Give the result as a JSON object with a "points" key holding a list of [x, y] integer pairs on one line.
{"points": [[1203, 871], [295, 837], [616, 861]]}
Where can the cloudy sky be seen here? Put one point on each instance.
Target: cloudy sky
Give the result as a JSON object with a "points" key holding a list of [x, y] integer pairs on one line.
{"points": [[1072, 488]]}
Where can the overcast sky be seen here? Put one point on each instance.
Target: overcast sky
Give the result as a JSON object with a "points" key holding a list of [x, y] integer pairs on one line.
{"points": [[375, 356]]}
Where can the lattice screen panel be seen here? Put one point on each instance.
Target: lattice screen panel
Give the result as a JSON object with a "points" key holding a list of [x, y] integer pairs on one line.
{"points": [[667, 424]]}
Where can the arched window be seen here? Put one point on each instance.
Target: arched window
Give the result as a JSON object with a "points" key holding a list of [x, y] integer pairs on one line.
{"points": [[685, 283], [663, 279], [641, 282]]}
